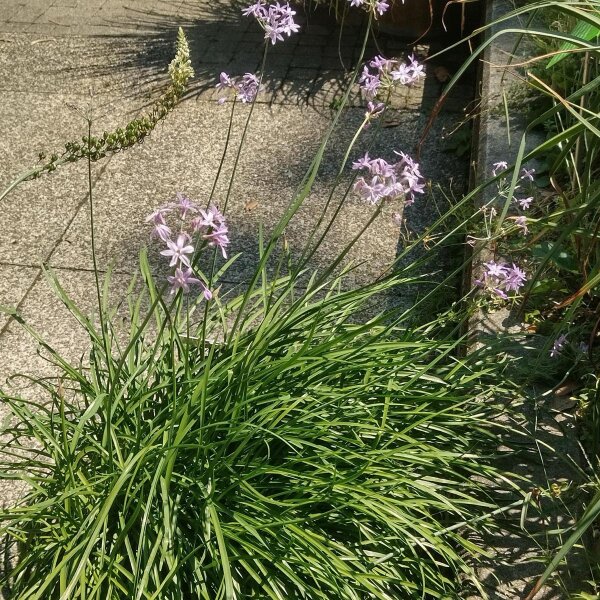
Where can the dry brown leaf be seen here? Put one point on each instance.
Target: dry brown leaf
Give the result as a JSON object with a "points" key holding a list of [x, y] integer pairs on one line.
{"points": [[250, 205]]}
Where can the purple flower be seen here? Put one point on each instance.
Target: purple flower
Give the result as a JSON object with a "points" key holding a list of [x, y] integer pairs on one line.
{"points": [[521, 223], [558, 346], [162, 231], [387, 73], [514, 279], [369, 83], [362, 163], [158, 216], [407, 74], [248, 88], [372, 192], [381, 63], [218, 237], [224, 81], [178, 250], [276, 19], [211, 217], [527, 174], [524, 203], [408, 162], [185, 205], [403, 74], [273, 33], [381, 167], [257, 10], [389, 180], [245, 88], [357, 2], [499, 278], [381, 6], [494, 269], [374, 109], [181, 280], [499, 166]]}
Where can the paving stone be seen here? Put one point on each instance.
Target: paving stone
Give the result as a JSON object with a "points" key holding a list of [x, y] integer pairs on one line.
{"points": [[15, 281]]}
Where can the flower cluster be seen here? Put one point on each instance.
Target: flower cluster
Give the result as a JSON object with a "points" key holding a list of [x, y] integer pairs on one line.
{"points": [[276, 19], [499, 278], [378, 7], [245, 87], [186, 220], [558, 346], [389, 180], [382, 73]]}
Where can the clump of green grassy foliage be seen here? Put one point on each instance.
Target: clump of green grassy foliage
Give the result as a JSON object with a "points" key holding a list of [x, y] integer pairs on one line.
{"points": [[302, 457]]}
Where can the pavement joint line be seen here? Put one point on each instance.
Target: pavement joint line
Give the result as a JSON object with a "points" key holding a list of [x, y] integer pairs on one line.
{"points": [[38, 276], [101, 270]]}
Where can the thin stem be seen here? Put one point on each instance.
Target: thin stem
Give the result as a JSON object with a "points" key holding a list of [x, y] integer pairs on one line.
{"points": [[239, 152], [103, 328], [222, 161], [230, 187]]}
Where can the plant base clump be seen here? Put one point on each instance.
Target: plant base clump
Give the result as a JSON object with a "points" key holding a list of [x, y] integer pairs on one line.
{"points": [[287, 461]]}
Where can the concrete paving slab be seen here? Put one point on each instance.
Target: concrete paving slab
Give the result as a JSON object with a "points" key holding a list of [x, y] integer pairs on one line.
{"points": [[76, 65], [35, 216], [45, 313], [15, 281]]}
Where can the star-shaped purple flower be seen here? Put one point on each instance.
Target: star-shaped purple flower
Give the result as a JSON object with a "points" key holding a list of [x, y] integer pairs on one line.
{"points": [[179, 250]]}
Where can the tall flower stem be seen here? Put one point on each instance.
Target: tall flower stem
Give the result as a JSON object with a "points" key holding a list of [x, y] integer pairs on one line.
{"points": [[232, 177], [245, 131], [222, 161], [103, 327]]}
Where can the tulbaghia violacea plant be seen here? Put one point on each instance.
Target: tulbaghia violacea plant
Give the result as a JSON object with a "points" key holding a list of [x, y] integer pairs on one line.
{"points": [[244, 88], [177, 224], [381, 74], [398, 181], [276, 19]]}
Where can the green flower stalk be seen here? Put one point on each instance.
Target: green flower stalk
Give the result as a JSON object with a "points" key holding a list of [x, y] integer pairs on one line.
{"points": [[180, 72]]}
